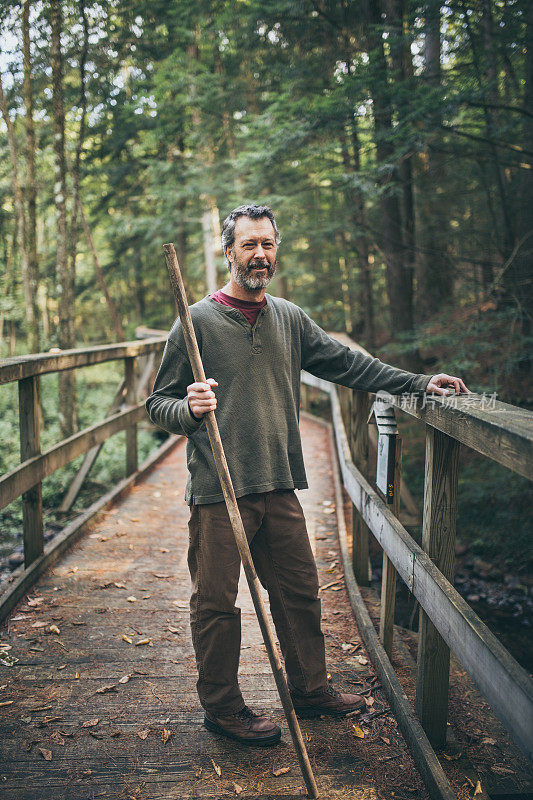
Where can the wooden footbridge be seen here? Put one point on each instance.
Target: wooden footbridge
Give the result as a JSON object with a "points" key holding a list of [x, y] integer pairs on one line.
{"points": [[97, 676]]}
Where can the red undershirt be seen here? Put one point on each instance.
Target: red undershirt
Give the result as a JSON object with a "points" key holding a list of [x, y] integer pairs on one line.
{"points": [[250, 308]]}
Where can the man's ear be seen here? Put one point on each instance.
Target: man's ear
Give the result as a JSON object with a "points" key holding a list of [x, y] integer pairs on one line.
{"points": [[227, 251]]}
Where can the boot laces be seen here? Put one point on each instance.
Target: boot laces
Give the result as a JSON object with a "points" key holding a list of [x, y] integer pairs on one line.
{"points": [[246, 713]]}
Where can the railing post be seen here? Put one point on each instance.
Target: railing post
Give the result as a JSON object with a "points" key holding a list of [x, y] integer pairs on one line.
{"points": [[30, 445], [304, 396], [360, 405], [131, 399], [388, 576], [438, 541]]}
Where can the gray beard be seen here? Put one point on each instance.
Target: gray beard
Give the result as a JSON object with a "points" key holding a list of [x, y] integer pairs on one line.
{"points": [[244, 278]]}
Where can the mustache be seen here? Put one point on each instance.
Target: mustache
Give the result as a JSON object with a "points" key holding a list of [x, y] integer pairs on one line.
{"points": [[257, 263]]}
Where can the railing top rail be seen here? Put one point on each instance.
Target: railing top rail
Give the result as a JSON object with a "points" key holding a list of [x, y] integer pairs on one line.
{"points": [[17, 368], [500, 431]]}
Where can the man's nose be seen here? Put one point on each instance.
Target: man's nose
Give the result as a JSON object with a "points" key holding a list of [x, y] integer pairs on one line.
{"points": [[259, 252]]}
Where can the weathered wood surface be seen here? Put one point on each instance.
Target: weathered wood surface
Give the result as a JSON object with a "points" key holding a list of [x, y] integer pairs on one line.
{"points": [[497, 430], [143, 545], [19, 367], [388, 574], [359, 408], [33, 470], [438, 541], [30, 446], [502, 681]]}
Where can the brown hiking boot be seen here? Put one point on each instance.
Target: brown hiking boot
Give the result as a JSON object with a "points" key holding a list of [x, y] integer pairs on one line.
{"points": [[245, 726], [326, 701]]}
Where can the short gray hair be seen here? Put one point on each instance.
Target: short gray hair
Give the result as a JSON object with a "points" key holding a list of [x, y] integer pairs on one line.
{"points": [[253, 212]]}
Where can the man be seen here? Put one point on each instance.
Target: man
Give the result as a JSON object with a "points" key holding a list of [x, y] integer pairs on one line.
{"points": [[255, 345]]}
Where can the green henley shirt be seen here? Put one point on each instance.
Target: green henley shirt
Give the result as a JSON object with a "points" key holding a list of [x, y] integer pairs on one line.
{"points": [[258, 395]]}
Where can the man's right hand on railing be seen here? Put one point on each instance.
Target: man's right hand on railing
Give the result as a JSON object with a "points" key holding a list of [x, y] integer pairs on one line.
{"points": [[202, 397]]}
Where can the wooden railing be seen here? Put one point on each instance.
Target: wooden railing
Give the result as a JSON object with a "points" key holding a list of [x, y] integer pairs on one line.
{"points": [[124, 414], [497, 430]]}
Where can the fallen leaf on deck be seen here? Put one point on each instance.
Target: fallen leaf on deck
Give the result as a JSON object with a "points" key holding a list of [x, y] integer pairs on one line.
{"points": [[216, 768], [90, 723], [488, 740], [110, 687], [143, 641], [384, 739], [62, 666], [8, 660], [173, 630], [453, 757], [7, 702], [66, 733], [34, 601], [134, 519], [39, 624], [54, 629], [358, 732], [478, 789], [236, 788], [369, 701], [362, 660], [124, 679], [280, 771], [198, 772], [47, 754], [144, 733], [160, 575], [73, 569], [57, 738], [165, 735], [346, 646], [119, 585], [131, 599], [502, 770], [78, 622], [164, 550], [329, 585], [127, 639]]}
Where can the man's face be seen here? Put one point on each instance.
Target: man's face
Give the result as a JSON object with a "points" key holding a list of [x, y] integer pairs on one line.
{"points": [[253, 255]]}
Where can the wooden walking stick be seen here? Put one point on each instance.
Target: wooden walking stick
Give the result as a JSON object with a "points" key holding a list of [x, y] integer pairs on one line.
{"points": [[236, 523]]}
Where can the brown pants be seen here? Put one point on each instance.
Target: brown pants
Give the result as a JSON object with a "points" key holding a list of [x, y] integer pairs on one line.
{"points": [[277, 535]]}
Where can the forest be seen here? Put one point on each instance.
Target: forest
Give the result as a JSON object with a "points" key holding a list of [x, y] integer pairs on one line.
{"points": [[392, 138]]}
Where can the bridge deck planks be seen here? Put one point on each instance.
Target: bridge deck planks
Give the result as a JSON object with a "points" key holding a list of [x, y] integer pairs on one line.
{"points": [[124, 547]]}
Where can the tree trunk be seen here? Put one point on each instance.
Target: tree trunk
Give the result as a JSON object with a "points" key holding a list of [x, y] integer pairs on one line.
{"points": [[65, 285], [32, 312], [399, 277], [73, 242], [119, 333], [356, 204], [19, 204], [434, 272]]}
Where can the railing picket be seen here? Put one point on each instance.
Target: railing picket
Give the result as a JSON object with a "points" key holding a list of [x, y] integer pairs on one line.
{"points": [[360, 406], [131, 432], [30, 445], [388, 575], [438, 541]]}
